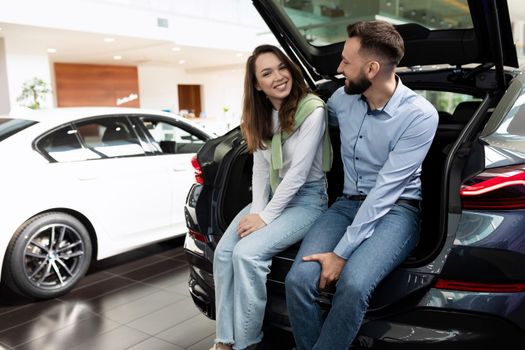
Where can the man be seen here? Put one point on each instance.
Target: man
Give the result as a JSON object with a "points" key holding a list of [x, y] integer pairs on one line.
{"points": [[386, 131]]}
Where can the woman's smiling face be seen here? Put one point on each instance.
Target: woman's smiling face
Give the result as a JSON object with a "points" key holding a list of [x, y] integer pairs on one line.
{"points": [[273, 78]]}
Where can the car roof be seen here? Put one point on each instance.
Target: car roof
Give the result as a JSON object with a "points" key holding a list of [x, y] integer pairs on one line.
{"points": [[487, 39], [62, 115]]}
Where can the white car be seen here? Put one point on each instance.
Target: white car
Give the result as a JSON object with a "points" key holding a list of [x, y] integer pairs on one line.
{"points": [[80, 184]]}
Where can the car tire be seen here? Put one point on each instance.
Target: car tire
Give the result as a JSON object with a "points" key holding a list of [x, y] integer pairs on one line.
{"points": [[47, 256]]}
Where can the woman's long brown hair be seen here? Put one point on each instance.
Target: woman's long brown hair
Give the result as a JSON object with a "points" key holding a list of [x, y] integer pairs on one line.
{"points": [[256, 121]]}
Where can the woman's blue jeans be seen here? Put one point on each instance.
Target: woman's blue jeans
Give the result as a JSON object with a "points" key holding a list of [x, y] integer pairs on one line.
{"points": [[241, 265], [394, 237]]}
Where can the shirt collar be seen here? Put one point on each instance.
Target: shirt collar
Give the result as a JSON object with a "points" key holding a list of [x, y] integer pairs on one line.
{"points": [[392, 104]]}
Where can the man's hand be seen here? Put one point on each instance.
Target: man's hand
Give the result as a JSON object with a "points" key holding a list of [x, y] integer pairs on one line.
{"points": [[331, 267], [249, 224]]}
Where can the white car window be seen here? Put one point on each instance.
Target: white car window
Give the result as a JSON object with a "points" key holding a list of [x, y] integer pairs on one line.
{"points": [[171, 138], [63, 145], [110, 137]]}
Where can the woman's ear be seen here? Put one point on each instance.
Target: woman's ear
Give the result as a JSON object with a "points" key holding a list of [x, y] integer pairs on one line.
{"points": [[257, 87]]}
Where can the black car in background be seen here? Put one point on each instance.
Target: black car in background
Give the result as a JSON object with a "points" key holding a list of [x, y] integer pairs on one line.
{"points": [[464, 285]]}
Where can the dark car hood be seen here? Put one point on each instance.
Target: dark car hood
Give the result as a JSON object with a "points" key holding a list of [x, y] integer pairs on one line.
{"points": [[488, 42]]}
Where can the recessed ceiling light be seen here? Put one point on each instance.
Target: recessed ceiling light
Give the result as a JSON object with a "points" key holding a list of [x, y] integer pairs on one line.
{"points": [[109, 40], [175, 48], [182, 62], [51, 50], [116, 58]]}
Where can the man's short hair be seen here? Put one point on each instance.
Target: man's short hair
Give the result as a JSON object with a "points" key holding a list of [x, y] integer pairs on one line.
{"points": [[379, 38]]}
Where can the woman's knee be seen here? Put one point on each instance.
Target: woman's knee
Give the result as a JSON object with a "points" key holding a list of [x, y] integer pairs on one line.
{"points": [[222, 255], [243, 255]]}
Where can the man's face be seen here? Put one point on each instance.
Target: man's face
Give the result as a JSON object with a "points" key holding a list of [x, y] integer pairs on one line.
{"points": [[353, 66]]}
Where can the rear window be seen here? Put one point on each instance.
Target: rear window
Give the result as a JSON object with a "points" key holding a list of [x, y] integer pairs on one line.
{"points": [[9, 126], [506, 127], [512, 127], [446, 101], [323, 22]]}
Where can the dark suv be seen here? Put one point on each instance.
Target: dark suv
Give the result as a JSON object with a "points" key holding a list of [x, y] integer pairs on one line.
{"points": [[464, 284]]}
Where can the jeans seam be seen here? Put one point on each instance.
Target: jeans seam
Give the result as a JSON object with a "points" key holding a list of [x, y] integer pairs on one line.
{"points": [[250, 306]]}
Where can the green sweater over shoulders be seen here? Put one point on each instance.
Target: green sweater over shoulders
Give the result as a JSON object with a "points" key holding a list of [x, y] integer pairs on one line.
{"points": [[305, 107]]}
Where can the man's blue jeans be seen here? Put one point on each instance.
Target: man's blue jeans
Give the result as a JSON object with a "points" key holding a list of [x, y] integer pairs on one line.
{"points": [[241, 265], [394, 237]]}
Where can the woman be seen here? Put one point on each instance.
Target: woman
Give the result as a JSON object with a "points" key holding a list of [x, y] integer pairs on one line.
{"points": [[285, 128]]}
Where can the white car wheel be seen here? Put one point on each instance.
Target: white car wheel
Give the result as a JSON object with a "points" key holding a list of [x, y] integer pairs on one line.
{"points": [[48, 255]]}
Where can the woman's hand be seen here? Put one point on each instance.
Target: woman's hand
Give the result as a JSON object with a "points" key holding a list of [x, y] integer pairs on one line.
{"points": [[249, 224]]}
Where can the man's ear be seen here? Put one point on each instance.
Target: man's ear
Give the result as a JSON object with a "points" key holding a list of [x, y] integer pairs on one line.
{"points": [[373, 68]]}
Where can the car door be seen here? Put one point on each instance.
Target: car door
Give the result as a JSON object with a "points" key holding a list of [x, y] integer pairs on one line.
{"points": [[175, 144], [112, 181]]}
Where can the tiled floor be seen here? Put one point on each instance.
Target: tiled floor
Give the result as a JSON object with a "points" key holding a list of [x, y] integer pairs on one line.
{"points": [[138, 300]]}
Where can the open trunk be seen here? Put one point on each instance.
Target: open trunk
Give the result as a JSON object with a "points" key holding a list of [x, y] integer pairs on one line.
{"points": [[235, 188], [236, 185], [456, 286]]}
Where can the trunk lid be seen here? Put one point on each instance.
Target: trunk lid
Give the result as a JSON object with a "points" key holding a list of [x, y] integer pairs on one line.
{"points": [[436, 32]]}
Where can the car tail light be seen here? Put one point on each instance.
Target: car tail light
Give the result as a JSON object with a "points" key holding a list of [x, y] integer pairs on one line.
{"points": [[501, 188], [198, 236], [199, 178], [480, 287]]}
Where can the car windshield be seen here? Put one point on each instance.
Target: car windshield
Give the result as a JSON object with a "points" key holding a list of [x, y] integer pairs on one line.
{"points": [[10, 126], [323, 22]]}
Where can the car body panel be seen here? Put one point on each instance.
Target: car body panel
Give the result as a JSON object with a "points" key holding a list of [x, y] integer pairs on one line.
{"points": [[144, 195]]}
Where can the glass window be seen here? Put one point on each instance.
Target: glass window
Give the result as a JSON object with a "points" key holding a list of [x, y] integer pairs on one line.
{"points": [[445, 101], [110, 137], [171, 138], [10, 126], [513, 125], [324, 22], [63, 145]]}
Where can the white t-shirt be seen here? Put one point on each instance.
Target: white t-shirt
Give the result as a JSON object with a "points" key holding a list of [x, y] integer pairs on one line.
{"points": [[302, 162]]}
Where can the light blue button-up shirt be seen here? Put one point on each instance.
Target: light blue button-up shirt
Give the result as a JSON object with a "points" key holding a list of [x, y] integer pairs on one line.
{"points": [[382, 152]]}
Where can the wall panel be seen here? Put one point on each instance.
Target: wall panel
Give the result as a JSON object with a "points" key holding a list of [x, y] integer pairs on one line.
{"points": [[96, 85]]}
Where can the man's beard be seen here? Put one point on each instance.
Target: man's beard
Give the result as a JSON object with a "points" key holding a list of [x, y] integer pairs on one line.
{"points": [[357, 87]]}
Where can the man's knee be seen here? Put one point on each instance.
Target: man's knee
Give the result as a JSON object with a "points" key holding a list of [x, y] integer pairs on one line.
{"points": [[300, 277], [353, 289], [291, 281]]}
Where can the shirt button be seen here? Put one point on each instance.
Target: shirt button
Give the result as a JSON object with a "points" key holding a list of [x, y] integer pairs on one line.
{"points": [[356, 158], [360, 177], [360, 136]]}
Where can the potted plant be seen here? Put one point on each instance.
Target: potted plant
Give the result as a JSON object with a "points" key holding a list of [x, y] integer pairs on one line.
{"points": [[34, 92]]}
